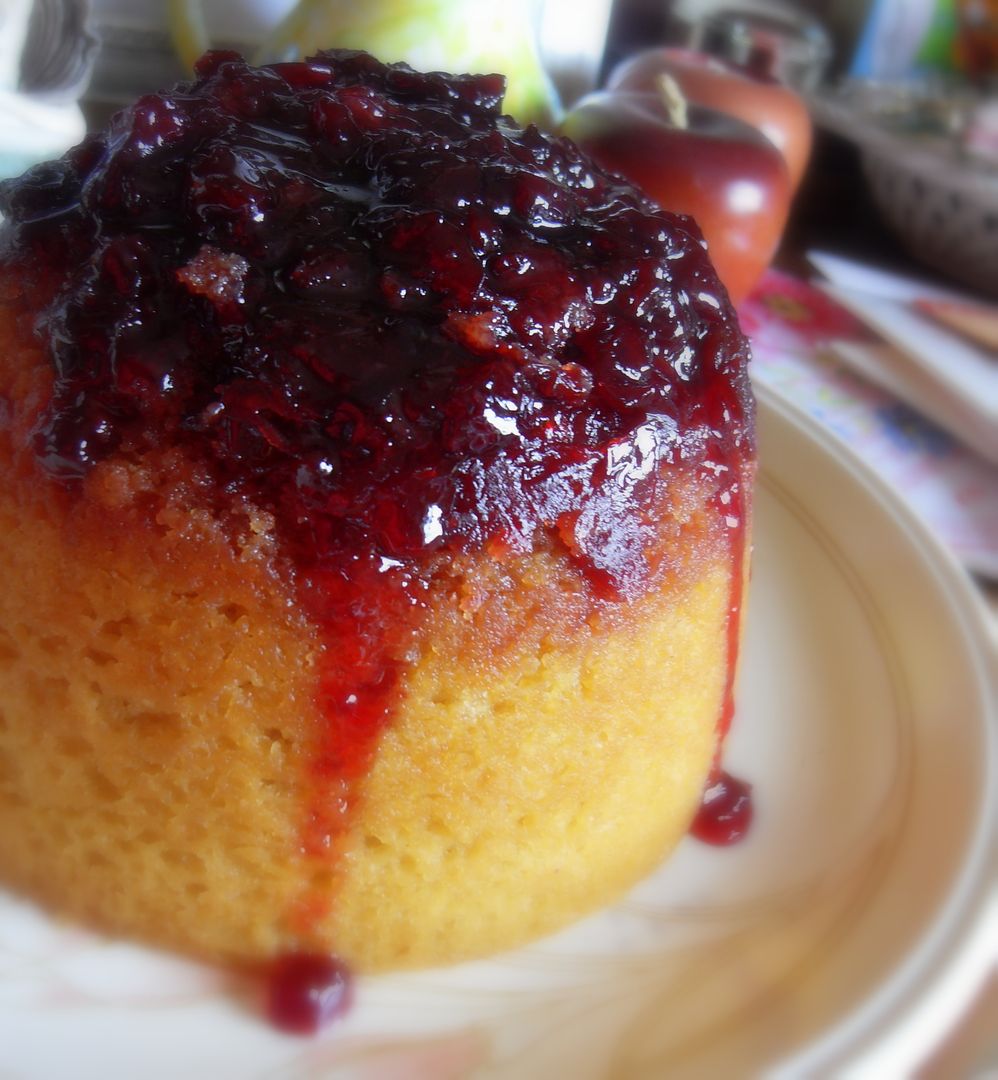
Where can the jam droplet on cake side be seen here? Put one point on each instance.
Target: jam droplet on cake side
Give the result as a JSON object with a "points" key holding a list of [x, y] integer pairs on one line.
{"points": [[364, 301], [305, 992], [726, 810]]}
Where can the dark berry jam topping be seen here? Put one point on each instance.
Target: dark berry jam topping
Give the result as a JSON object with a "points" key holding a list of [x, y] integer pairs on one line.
{"points": [[363, 300], [381, 310], [306, 991]]}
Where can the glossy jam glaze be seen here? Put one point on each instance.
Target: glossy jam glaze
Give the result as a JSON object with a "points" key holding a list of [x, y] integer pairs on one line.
{"points": [[366, 302]]}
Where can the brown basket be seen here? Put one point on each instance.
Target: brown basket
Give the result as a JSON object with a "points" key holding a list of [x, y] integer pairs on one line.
{"points": [[944, 209]]}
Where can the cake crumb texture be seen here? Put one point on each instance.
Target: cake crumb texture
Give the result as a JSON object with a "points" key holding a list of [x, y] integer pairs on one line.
{"points": [[155, 734]]}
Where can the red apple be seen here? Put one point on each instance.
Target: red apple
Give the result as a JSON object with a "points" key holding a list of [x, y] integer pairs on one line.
{"points": [[719, 170], [776, 110]]}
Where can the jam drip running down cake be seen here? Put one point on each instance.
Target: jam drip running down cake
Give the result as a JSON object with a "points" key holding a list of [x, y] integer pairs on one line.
{"points": [[376, 486]]}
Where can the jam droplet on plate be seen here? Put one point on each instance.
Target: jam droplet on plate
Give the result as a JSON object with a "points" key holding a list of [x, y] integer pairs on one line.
{"points": [[725, 814], [306, 991]]}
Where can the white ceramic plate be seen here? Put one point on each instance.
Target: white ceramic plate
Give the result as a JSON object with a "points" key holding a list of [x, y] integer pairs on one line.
{"points": [[844, 934]]}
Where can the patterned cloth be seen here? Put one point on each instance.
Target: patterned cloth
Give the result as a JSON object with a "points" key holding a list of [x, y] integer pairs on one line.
{"points": [[955, 492]]}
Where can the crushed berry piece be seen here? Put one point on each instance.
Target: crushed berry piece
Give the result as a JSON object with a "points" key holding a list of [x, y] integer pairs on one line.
{"points": [[216, 276]]}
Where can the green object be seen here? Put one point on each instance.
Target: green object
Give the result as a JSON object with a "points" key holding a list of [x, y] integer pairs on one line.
{"points": [[476, 36], [937, 51]]}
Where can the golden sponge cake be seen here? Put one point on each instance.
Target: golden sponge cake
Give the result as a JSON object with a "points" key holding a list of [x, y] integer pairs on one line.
{"points": [[376, 485]]}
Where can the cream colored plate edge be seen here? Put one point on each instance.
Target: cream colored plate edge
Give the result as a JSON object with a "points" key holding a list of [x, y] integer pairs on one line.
{"points": [[844, 935]]}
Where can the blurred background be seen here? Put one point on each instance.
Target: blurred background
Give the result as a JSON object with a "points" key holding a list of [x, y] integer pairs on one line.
{"points": [[903, 93]]}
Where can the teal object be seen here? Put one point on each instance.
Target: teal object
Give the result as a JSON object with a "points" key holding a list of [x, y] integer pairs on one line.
{"points": [[13, 163]]}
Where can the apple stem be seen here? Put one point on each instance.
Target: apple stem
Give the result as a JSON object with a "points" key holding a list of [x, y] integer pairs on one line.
{"points": [[673, 100]]}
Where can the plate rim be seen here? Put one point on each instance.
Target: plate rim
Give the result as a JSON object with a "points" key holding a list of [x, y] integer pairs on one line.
{"points": [[916, 1003]]}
